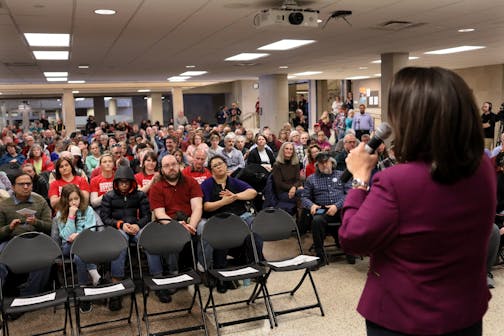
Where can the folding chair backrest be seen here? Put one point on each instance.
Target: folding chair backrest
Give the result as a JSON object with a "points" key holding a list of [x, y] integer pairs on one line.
{"points": [[225, 231], [29, 252], [157, 238], [98, 245], [273, 224]]}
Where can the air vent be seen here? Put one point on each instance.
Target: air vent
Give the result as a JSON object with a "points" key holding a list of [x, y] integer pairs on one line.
{"points": [[394, 25], [20, 64]]}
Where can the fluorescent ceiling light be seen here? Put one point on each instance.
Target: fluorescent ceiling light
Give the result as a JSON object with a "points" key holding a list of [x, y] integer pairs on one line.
{"points": [[80, 99], [411, 58], [47, 40], [291, 77], [178, 78], [377, 75], [51, 55], [453, 50], [363, 68], [308, 73], [283, 67], [246, 57], [107, 98], [76, 81], [83, 66], [56, 74], [56, 79], [285, 44], [75, 91], [190, 66], [466, 30], [357, 77], [193, 73], [143, 90], [104, 11], [319, 21]]}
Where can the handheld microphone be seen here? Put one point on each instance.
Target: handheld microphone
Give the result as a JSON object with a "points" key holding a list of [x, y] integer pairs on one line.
{"points": [[382, 133]]}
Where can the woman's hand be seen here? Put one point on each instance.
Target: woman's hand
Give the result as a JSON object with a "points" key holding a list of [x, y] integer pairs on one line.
{"points": [[360, 163], [72, 237], [72, 211], [292, 192]]}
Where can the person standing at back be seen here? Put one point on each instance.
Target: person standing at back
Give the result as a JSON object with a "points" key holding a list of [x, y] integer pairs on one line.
{"points": [[426, 221]]}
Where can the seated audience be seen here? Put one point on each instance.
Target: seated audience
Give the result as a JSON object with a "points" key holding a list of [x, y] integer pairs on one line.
{"points": [[65, 173], [12, 155], [197, 169]]}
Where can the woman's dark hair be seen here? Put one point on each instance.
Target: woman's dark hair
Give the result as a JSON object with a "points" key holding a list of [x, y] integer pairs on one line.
{"points": [[150, 154], [63, 204], [310, 159], [216, 157], [58, 164], [435, 119]]}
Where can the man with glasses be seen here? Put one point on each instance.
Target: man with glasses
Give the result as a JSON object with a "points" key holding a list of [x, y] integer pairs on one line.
{"points": [[178, 197], [349, 143], [24, 211]]}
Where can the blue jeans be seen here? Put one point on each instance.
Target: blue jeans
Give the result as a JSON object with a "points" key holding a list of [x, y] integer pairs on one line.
{"points": [[37, 280], [117, 265], [82, 267]]}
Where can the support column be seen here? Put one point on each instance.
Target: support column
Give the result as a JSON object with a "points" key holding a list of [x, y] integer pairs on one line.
{"points": [[3, 109], [177, 101], [390, 64], [112, 107], [99, 109], [274, 100], [155, 108], [322, 97], [68, 110]]}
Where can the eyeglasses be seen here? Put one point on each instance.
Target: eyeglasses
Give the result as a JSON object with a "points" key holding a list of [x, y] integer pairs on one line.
{"points": [[24, 184], [217, 165], [116, 145], [351, 142]]}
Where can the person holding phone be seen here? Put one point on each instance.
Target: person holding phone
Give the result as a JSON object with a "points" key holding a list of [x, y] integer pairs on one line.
{"points": [[323, 196]]}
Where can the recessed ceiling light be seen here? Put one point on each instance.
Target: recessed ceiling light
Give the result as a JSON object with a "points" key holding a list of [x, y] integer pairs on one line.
{"points": [[357, 77], [286, 44], [104, 11], [51, 55], [193, 73], [453, 50], [190, 66], [143, 90], [47, 40], [80, 99], [56, 74], [363, 68], [178, 78], [75, 91], [107, 98], [83, 66], [319, 21], [466, 30], [1, 93], [291, 77], [246, 57], [376, 61], [56, 79], [377, 75], [76, 81], [283, 67], [308, 73], [412, 58]]}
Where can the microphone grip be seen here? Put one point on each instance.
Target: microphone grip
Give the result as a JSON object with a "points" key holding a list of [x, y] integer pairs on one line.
{"points": [[346, 176]]}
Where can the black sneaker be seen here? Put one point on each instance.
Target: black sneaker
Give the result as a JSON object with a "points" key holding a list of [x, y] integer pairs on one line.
{"points": [[85, 306], [115, 303], [221, 287], [164, 296], [320, 263]]}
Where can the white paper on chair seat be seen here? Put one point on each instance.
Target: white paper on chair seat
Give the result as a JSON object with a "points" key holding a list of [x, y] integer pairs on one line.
{"points": [[103, 290], [241, 271], [300, 259], [29, 301], [169, 281]]}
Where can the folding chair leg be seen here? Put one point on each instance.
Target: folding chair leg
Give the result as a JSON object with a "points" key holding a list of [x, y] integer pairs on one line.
{"points": [[254, 294], [210, 298], [145, 295], [196, 289], [137, 315], [77, 316], [300, 283], [316, 293], [269, 308], [192, 301]]}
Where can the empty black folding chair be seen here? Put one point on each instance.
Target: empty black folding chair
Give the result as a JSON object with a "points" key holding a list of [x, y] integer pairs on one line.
{"points": [[100, 245], [163, 239], [28, 252], [225, 231], [273, 225]]}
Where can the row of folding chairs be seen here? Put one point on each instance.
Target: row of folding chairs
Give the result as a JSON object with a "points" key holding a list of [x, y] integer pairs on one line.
{"points": [[100, 245]]}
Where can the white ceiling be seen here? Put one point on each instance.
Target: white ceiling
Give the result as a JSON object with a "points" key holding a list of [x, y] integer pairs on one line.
{"points": [[148, 41]]}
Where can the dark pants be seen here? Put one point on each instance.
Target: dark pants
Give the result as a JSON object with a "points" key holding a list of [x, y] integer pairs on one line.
{"points": [[376, 330], [319, 227], [358, 133]]}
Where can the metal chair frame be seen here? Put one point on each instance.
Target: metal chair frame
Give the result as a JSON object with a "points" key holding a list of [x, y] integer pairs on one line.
{"points": [[161, 239]]}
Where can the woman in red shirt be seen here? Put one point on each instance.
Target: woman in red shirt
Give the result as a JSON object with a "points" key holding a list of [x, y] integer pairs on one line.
{"points": [[65, 174], [104, 182], [149, 171]]}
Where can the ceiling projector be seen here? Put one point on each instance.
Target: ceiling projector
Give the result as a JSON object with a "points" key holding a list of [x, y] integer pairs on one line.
{"points": [[287, 17]]}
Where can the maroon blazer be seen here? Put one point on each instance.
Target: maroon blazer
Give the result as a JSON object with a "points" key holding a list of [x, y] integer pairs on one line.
{"points": [[428, 245]]}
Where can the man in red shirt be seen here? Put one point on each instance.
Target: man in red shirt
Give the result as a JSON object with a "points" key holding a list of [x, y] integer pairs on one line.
{"points": [[178, 197], [197, 169]]}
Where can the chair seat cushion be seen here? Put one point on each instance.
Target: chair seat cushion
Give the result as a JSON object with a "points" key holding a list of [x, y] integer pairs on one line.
{"points": [[172, 281], [88, 293], [60, 297]]}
